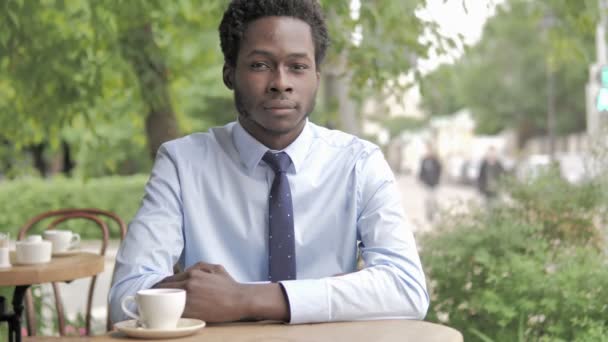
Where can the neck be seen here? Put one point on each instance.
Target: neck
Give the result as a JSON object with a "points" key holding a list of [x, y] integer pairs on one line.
{"points": [[271, 139]]}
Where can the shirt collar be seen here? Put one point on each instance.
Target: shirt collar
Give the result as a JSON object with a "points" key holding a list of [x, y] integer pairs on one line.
{"points": [[251, 151]]}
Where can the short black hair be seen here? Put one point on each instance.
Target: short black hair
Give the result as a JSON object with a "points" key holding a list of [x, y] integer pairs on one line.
{"points": [[241, 12]]}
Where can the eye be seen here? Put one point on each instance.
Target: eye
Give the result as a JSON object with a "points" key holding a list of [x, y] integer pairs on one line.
{"points": [[299, 67], [259, 66]]}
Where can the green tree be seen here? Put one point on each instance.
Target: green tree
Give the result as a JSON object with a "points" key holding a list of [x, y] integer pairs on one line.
{"points": [[441, 90], [71, 68], [113, 78], [503, 79]]}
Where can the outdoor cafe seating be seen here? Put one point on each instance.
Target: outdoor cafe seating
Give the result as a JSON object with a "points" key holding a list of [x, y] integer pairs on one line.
{"points": [[82, 264]]}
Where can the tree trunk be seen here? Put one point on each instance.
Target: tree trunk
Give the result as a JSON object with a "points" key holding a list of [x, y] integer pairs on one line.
{"points": [[525, 131], [140, 50], [39, 162], [337, 101], [67, 162], [337, 97]]}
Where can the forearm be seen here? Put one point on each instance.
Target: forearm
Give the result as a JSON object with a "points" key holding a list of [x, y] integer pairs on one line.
{"points": [[265, 302], [382, 291], [372, 293]]}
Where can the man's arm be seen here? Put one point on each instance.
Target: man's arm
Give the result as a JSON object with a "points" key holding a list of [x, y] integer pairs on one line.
{"points": [[154, 239], [153, 245], [422, 171], [481, 179], [392, 283]]}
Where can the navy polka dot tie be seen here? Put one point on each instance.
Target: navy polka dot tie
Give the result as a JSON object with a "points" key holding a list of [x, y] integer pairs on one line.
{"points": [[282, 250]]}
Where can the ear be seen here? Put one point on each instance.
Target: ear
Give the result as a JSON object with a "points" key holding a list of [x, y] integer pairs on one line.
{"points": [[228, 75]]}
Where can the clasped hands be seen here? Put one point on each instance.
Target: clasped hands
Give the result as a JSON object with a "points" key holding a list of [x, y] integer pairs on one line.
{"points": [[213, 295]]}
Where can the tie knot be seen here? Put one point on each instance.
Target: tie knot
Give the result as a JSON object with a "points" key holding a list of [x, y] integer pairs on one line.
{"points": [[279, 162]]}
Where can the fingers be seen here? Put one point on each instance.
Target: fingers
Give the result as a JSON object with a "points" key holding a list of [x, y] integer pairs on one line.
{"points": [[182, 276], [171, 285], [193, 272], [209, 268], [189, 273]]}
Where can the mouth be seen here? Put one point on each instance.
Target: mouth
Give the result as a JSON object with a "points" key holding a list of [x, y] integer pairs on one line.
{"points": [[279, 106], [280, 111]]}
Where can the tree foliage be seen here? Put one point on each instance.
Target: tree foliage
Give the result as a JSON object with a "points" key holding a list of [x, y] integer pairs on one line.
{"points": [[379, 44], [504, 78], [93, 74]]}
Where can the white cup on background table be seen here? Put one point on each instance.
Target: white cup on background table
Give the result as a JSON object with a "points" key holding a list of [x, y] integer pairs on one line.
{"points": [[33, 250], [62, 240], [5, 239]]}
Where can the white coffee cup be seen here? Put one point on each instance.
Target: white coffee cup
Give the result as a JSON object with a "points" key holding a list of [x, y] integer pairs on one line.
{"points": [[5, 260], [158, 308], [62, 240], [33, 250]]}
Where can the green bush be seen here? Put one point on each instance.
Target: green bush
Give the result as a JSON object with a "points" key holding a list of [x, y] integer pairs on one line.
{"points": [[21, 200], [532, 268], [564, 211]]}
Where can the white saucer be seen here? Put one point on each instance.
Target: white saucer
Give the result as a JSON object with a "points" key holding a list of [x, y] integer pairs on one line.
{"points": [[66, 253], [185, 327]]}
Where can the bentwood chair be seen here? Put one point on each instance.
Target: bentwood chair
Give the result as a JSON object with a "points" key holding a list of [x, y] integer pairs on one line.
{"points": [[98, 218]]}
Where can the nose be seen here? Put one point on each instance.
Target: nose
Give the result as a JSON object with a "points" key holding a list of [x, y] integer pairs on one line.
{"points": [[280, 82]]}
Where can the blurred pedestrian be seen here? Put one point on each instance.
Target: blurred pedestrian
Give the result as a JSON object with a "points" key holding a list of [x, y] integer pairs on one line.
{"points": [[429, 175], [489, 175]]}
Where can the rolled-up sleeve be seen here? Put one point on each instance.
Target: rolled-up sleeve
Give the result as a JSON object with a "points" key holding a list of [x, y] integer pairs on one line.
{"points": [[392, 283], [154, 240]]}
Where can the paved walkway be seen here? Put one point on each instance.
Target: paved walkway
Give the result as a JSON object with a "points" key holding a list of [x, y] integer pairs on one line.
{"points": [[449, 196]]}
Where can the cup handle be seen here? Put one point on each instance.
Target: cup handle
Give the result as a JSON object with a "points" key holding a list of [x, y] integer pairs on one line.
{"points": [[125, 302], [75, 240]]}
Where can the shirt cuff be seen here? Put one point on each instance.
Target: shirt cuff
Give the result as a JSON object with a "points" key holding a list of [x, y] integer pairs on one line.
{"points": [[308, 300]]}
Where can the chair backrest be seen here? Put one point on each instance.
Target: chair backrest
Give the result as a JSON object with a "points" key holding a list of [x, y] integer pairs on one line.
{"points": [[58, 217]]}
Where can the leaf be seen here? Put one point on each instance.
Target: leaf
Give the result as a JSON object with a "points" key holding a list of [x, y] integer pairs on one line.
{"points": [[481, 335]]}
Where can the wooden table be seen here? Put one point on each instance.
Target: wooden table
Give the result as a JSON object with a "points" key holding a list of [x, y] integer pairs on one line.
{"points": [[65, 268], [364, 331]]}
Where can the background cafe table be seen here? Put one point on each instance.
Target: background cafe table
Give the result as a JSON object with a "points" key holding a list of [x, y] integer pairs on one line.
{"points": [[364, 331], [65, 268]]}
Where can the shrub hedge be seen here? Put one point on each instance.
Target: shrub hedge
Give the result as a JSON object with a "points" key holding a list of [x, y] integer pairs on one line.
{"points": [[20, 200], [532, 268]]}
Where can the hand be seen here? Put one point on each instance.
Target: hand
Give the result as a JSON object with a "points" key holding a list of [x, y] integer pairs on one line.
{"points": [[211, 293]]}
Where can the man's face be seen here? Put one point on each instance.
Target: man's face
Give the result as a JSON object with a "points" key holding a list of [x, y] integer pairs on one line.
{"points": [[275, 79]]}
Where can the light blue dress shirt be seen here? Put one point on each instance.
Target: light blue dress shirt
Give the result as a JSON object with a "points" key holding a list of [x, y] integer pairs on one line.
{"points": [[207, 200]]}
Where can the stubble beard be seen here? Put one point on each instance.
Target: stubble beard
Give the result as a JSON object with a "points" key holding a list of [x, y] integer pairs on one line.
{"points": [[246, 120]]}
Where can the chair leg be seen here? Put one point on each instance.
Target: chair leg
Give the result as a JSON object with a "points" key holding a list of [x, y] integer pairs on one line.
{"points": [[30, 313], [109, 325], [90, 305], [59, 307]]}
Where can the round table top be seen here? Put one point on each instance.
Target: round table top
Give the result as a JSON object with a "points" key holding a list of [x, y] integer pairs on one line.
{"points": [[64, 268], [364, 331]]}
